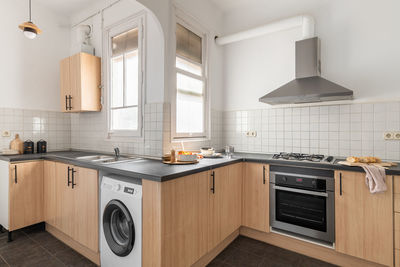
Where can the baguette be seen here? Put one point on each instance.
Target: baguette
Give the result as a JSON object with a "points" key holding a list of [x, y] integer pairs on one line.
{"points": [[364, 160]]}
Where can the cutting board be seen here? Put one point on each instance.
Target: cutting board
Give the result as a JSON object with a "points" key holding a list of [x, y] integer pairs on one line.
{"points": [[180, 162], [358, 164]]}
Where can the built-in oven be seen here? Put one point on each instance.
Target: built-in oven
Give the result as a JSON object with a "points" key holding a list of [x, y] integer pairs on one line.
{"points": [[302, 202]]}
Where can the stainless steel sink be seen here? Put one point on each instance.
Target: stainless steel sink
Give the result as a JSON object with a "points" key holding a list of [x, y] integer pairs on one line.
{"points": [[94, 157], [104, 159]]}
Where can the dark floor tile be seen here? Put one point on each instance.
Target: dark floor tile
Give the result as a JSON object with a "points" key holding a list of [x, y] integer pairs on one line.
{"points": [[49, 242], [310, 262], [3, 263], [226, 253], [27, 254], [17, 236], [70, 257], [243, 258], [217, 263]]}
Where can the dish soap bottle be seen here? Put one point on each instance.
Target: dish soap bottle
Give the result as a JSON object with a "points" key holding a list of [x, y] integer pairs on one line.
{"points": [[17, 144]]}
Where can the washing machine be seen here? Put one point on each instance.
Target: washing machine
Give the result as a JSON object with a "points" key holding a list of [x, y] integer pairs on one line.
{"points": [[121, 222]]}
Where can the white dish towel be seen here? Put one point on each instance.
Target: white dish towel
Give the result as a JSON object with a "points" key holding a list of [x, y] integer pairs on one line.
{"points": [[375, 178]]}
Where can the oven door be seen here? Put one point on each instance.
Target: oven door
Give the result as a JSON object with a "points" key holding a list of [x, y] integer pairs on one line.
{"points": [[303, 212]]}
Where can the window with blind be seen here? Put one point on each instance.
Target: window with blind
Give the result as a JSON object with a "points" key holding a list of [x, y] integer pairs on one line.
{"points": [[125, 78], [191, 90]]}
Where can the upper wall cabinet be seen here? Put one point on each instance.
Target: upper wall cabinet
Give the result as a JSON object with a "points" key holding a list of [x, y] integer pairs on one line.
{"points": [[80, 83]]}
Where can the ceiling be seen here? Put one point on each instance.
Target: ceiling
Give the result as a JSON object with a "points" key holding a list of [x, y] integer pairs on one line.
{"points": [[229, 5], [66, 7]]}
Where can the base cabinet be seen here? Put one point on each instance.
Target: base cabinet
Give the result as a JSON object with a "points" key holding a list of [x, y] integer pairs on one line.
{"points": [[25, 194], [71, 202], [364, 221], [255, 211], [185, 218]]}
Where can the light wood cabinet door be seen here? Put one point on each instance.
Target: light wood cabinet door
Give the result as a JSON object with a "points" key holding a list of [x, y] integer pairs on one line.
{"points": [[255, 209], [184, 219], [231, 199], [225, 198], [65, 84], [216, 182], [49, 192], [25, 194], [85, 216], [364, 221], [80, 83], [64, 199]]}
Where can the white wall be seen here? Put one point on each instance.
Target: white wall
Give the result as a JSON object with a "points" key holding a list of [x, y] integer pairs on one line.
{"points": [[154, 41], [29, 69], [360, 49]]}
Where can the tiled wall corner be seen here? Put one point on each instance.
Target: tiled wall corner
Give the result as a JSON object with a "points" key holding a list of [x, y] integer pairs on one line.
{"points": [[215, 140], [89, 132], [53, 127], [339, 130]]}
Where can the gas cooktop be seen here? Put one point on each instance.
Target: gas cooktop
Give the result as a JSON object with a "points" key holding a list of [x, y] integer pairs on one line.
{"points": [[304, 157]]}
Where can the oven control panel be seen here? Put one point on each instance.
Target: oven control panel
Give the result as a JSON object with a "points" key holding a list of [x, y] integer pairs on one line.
{"points": [[300, 182]]}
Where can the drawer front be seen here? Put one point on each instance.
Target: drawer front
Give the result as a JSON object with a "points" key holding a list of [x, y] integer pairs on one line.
{"points": [[397, 202], [396, 184], [397, 258]]}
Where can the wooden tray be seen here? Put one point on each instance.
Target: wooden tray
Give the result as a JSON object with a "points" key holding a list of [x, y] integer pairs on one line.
{"points": [[180, 162], [358, 164]]}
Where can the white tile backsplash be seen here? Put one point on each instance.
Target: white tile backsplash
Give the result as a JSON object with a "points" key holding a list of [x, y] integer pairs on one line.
{"points": [[53, 127], [338, 130]]}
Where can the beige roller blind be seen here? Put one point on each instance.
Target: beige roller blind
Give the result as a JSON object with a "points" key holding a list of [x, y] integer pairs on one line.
{"points": [[125, 42], [188, 44]]}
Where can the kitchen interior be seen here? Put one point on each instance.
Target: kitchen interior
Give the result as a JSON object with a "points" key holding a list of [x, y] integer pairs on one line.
{"points": [[200, 133]]}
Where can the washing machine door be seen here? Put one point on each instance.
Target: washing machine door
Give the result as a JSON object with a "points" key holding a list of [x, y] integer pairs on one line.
{"points": [[119, 228]]}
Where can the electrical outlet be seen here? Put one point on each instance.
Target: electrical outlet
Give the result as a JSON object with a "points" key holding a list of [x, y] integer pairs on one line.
{"points": [[388, 136], [396, 135], [6, 134], [251, 133]]}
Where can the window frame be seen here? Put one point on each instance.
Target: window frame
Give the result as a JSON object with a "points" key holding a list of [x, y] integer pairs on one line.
{"points": [[192, 25], [135, 21]]}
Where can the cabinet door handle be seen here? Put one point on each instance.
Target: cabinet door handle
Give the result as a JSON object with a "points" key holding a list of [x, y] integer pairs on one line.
{"points": [[263, 174], [70, 102], [66, 102], [69, 181], [340, 183], [73, 178], [213, 182], [15, 174]]}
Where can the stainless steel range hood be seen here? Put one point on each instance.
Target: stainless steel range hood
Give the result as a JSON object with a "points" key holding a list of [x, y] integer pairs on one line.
{"points": [[308, 86]]}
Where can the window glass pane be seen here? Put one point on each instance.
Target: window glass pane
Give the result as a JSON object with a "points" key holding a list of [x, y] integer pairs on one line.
{"points": [[117, 82], [125, 119], [132, 78], [189, 113], [188, 44], [188, 66], [189, 85], [124, 42]]}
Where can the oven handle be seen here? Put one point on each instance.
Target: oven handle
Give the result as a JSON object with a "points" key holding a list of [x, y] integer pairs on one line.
{"points": [[321, 194]]}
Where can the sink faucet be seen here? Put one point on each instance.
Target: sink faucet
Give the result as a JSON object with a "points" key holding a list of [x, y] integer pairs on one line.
{"points": [[117, 153]]}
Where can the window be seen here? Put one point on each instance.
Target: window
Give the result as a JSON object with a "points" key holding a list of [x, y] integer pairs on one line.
{"points": [[190, 100], [125, 72]]}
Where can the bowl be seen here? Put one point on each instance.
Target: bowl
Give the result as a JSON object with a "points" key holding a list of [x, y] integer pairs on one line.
{"points": [[207, 151]]}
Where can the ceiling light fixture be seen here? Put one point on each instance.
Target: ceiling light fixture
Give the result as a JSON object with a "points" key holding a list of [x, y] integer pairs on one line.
{"points": [[29, 28]]}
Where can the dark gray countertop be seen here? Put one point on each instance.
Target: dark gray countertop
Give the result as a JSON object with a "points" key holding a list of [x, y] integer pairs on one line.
{"points": [[155, 170]]}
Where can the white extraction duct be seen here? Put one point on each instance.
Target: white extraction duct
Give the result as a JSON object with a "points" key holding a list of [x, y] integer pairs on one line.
{"points": [[305, 21]]}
